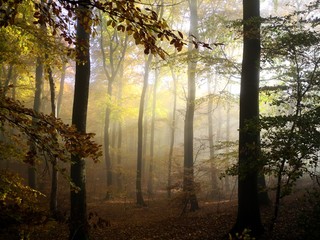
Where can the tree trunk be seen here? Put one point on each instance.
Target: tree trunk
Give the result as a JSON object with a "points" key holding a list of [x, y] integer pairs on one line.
{"points": [[54, 177], [188, 175], [36, 108], [173, 129], [107, 156], [119, 143], [111, 72], [139, 195], [227, 177], [214, 179], [263, 192], [154, 102], [249, 137], [61, 89], [8, 79], [78, 212]]}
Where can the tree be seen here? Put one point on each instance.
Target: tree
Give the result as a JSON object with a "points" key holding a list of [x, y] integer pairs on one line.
{"points": [[111, 71], [78, 211], [139, 196], [172, 131], [290, 142], [248, 216], [214, 178], [188, 175], [36, 107]]}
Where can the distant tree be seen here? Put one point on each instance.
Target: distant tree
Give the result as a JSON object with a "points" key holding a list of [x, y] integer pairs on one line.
{"points": [[116, 50], [139, 195], [214, 183], [172, 131], [248, 216], [153, 117]]}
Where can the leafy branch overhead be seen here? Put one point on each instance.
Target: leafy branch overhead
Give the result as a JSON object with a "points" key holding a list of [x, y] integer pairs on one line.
{"points": [[143, 24], [50, 134]]}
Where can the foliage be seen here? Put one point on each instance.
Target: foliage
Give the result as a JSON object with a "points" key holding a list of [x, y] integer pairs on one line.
{"points": [[309, 217], [291, 137], [126, 16], [19, 204], [51, 135]]}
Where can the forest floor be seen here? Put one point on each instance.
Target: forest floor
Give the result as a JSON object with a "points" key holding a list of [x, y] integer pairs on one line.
{"points": [[162, 220]]}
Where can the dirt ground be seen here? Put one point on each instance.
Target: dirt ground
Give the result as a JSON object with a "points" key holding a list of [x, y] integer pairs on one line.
{"points": [[162, 220]]}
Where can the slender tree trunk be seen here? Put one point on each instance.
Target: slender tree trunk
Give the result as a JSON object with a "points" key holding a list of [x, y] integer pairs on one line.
{"points": [[8, 79], [107, 156], [36, 108], [78, 212], [144, 142], [154, 102], [119, 143], [111, 73], [188, 175], [263, 192], [54, 177], [61, 89], [214, 179], [173, 128], [249, 137], [227, 177], [139, 196]]}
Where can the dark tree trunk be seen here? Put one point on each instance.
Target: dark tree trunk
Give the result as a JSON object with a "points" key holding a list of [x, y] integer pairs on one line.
{"points": [[263, 192], [188, 175], [8, 79], [54, 177], [249, 136], [78, 212], [36, 108], [140, 200]]}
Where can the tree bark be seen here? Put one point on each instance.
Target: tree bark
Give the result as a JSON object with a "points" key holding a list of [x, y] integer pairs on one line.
{"points": [[36, 108], [249, 136], [188, 175], [139, 195], [54, 177], [78, 212]]}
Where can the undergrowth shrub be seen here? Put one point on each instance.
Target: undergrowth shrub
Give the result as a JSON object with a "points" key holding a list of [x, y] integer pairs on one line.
{"points": [[310, 215], [19, 207]]}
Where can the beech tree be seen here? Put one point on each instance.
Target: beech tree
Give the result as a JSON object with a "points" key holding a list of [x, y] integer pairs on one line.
{"points": [[78, 211], [248, 216], [188, 175], [116, 49]]}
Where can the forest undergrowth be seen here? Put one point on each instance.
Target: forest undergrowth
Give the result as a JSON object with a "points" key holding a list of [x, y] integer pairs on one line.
{"points": [[162, 219]]}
